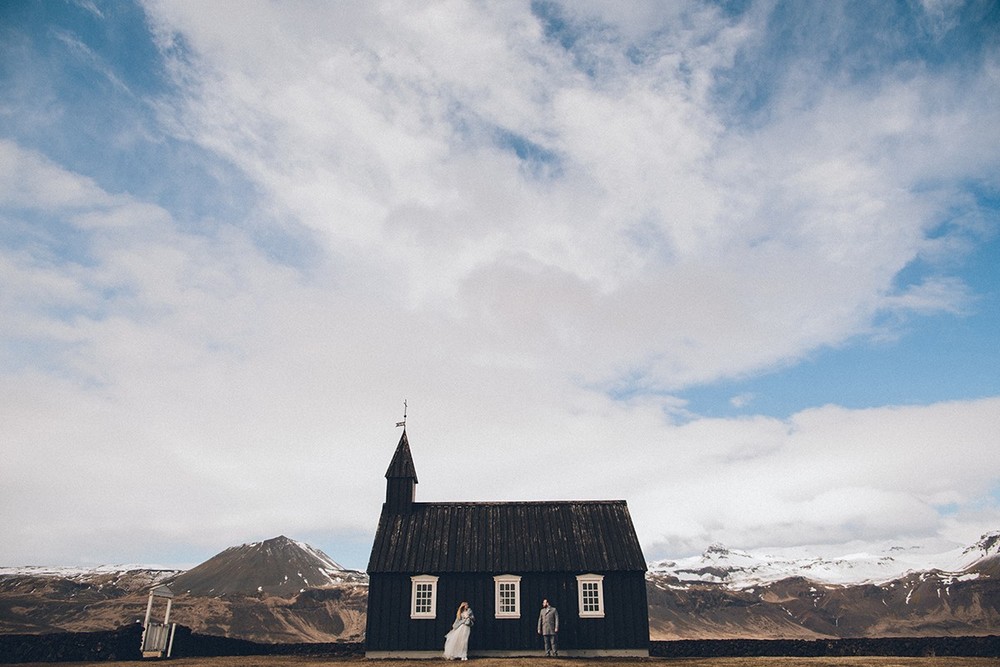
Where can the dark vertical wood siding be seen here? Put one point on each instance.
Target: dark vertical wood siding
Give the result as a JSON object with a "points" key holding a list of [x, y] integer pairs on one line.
{"points": [[625, 624], [546, 543]]}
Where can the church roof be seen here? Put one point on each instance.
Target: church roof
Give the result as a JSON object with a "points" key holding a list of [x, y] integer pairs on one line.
{"points": [[402, 461], [518, 537]]}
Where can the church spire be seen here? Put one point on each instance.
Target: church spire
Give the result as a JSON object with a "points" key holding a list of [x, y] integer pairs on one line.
{"points": [[401, 478], [401, 466]]}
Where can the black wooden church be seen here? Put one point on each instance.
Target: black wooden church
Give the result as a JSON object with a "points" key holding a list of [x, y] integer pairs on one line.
{"points": [[503, 558]]}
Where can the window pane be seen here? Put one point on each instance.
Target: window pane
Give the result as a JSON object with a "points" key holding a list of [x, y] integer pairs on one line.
{"points": [[590, 589], [591, 601], [507, 597], [424, 593]]}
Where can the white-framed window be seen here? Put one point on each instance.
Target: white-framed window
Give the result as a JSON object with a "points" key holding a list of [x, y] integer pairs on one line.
{"points": [[423, 596], [508, 595], [590, 593]]}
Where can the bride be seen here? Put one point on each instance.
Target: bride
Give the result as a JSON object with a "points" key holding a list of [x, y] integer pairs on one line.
{"points": [[456, 642]]}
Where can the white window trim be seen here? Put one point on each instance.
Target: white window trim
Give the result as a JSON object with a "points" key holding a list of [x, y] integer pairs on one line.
{"points": [[423, 579], [581, 579], [507, 579]]}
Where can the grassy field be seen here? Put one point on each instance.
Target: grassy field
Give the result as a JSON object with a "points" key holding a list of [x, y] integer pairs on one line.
{"points": [[310, 661]]}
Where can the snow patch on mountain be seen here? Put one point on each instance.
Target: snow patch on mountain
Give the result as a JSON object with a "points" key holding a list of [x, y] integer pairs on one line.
{"points": [[988, 546], [131, 577], [332, 565], [742, 569], [72, 571], [279, 566]]}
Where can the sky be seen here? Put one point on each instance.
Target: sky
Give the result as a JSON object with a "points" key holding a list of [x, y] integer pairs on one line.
{"points": [[737, 263]]}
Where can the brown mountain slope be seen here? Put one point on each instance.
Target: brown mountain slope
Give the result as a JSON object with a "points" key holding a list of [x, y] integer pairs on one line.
{"points": [[47, 604], [925, 604], [920, 604], [279, 566], [278, 590], [267, 592]]}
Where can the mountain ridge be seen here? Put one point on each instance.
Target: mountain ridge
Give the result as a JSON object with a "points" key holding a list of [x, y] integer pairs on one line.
{"points": [[278, 566], [743, 569], [284, 591], [728, 594]]}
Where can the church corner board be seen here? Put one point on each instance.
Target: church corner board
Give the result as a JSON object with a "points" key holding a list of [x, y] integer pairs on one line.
{"points": [[503, 558]]}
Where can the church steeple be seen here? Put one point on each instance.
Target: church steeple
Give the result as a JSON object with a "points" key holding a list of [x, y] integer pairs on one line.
{"points": [[401, 478]]}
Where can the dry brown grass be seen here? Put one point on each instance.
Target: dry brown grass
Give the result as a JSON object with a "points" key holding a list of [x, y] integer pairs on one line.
{"points": [[313, 661]]}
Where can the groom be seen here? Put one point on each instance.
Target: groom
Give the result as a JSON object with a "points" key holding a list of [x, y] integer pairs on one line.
{"points": [[548, 627]]}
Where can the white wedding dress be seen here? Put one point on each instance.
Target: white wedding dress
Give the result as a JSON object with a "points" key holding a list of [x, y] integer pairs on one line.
{"points": [[456, 642]]}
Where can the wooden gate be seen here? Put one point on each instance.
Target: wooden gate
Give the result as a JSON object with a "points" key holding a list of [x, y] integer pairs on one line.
{"points": [[158, 638]]}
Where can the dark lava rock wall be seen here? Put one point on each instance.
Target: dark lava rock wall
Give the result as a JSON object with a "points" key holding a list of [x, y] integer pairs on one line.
{"points": [[887, 646], [120, 644], [123, 644]]}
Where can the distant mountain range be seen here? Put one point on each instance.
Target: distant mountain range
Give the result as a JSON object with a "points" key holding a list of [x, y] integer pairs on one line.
{"points": [[735, 594], [741, 569], [275, 591], [282, 590]]}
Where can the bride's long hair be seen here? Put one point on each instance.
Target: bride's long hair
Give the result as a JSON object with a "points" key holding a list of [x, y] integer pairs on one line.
{"points": [[462, 607]]}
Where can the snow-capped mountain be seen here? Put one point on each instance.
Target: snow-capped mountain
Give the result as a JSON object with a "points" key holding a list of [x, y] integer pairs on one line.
{"points": [[154, 572], [901, 592], [741, 569], [276, 566], [111, 578], [987, 548]]}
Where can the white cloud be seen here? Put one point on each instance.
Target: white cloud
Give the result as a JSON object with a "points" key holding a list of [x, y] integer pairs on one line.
{"points": [[27, 180], [382, 138], [824, 476], [940, 15], [741, 400]]}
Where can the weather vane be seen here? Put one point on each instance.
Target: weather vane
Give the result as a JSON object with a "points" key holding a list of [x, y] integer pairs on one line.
{"points": [[403, 423]]}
